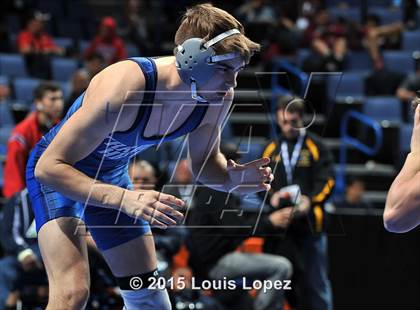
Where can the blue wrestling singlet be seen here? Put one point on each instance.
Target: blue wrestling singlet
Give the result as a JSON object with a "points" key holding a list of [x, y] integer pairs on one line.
{"points": [[107, 163]]}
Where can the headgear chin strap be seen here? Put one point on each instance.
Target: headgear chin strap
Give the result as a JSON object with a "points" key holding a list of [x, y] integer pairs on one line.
{"points": [[195, 60]]}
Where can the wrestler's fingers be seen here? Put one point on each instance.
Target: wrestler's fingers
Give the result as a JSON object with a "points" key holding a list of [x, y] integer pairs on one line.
{"points": [[154, 222], [161, 217], [257, 163], [162, 197], [164, 208], [265, 171]]}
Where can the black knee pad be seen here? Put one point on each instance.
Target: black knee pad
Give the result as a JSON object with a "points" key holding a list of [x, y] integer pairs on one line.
{"points": [[139, 281]]}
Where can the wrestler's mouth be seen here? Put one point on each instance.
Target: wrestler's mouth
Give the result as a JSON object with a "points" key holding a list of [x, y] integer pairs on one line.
{"points": [[222, 93]]}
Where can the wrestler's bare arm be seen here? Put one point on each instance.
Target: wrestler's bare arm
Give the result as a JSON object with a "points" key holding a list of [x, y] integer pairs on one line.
{"points": [[85, 130], [402, 209], [207, 163], [210, 166]]}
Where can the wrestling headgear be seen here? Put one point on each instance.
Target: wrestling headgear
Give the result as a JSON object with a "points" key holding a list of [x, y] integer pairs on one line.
{"points": [[195, 60]]}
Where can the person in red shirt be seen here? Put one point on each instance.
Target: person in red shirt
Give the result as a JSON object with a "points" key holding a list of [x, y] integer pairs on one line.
{"points": [[37, 45], [48, 109], [107, 43]]}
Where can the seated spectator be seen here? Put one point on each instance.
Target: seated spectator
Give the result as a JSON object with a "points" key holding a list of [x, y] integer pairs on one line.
{"points": [[135, 26], [284, 39], [377, 36], [48, 103], [82, 77], [107, 43], [255, 11], [22, 263], [328, 39], [37, 46], [257, 16], [217, 226], [353, 197], [143, 175]]}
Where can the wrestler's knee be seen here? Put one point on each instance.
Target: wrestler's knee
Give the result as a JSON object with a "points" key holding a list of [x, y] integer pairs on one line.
{"points": [[69, 295], [147, 299]]}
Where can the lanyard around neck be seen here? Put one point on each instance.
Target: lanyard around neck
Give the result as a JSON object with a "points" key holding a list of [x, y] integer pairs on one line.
{"points": [[289, 164]]}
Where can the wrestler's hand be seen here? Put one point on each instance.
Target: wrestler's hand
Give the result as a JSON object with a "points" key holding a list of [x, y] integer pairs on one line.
{"points": [[154, 207], [250, 177]]}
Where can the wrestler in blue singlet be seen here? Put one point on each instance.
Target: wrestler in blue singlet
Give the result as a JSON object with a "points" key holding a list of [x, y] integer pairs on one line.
{"points": [[107, 163]]}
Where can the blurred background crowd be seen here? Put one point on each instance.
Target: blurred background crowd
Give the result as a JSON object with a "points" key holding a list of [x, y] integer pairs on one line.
{"points": [[356, 63]]}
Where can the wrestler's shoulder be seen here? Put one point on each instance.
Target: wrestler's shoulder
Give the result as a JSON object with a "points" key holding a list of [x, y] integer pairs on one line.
{"points": [[124, 75], [116, 84]]}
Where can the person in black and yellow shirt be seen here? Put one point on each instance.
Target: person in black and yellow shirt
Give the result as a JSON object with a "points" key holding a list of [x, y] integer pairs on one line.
{"points": [[303, 180]]}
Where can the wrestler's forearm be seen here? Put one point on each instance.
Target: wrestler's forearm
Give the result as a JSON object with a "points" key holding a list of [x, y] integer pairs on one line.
{"points": [[213, 173], [77, 186], [402, 209]]}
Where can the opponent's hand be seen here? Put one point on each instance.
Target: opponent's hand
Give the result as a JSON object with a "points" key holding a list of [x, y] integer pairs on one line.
{"points": [[250, 177], [154, 207]]}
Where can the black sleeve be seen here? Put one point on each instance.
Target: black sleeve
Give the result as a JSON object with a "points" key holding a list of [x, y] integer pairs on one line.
{"points": [[324, 176], [11, 240]]}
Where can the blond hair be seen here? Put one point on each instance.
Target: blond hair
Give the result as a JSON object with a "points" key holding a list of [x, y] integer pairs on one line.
{"points": [[206, 21], [416, 101]]}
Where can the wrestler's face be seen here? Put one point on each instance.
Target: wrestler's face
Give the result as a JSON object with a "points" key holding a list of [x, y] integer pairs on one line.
{"points": [[224, 78]]}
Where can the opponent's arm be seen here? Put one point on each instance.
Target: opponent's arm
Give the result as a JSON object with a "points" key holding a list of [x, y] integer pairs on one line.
{"points": [[402, 209], [84, 131]]}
